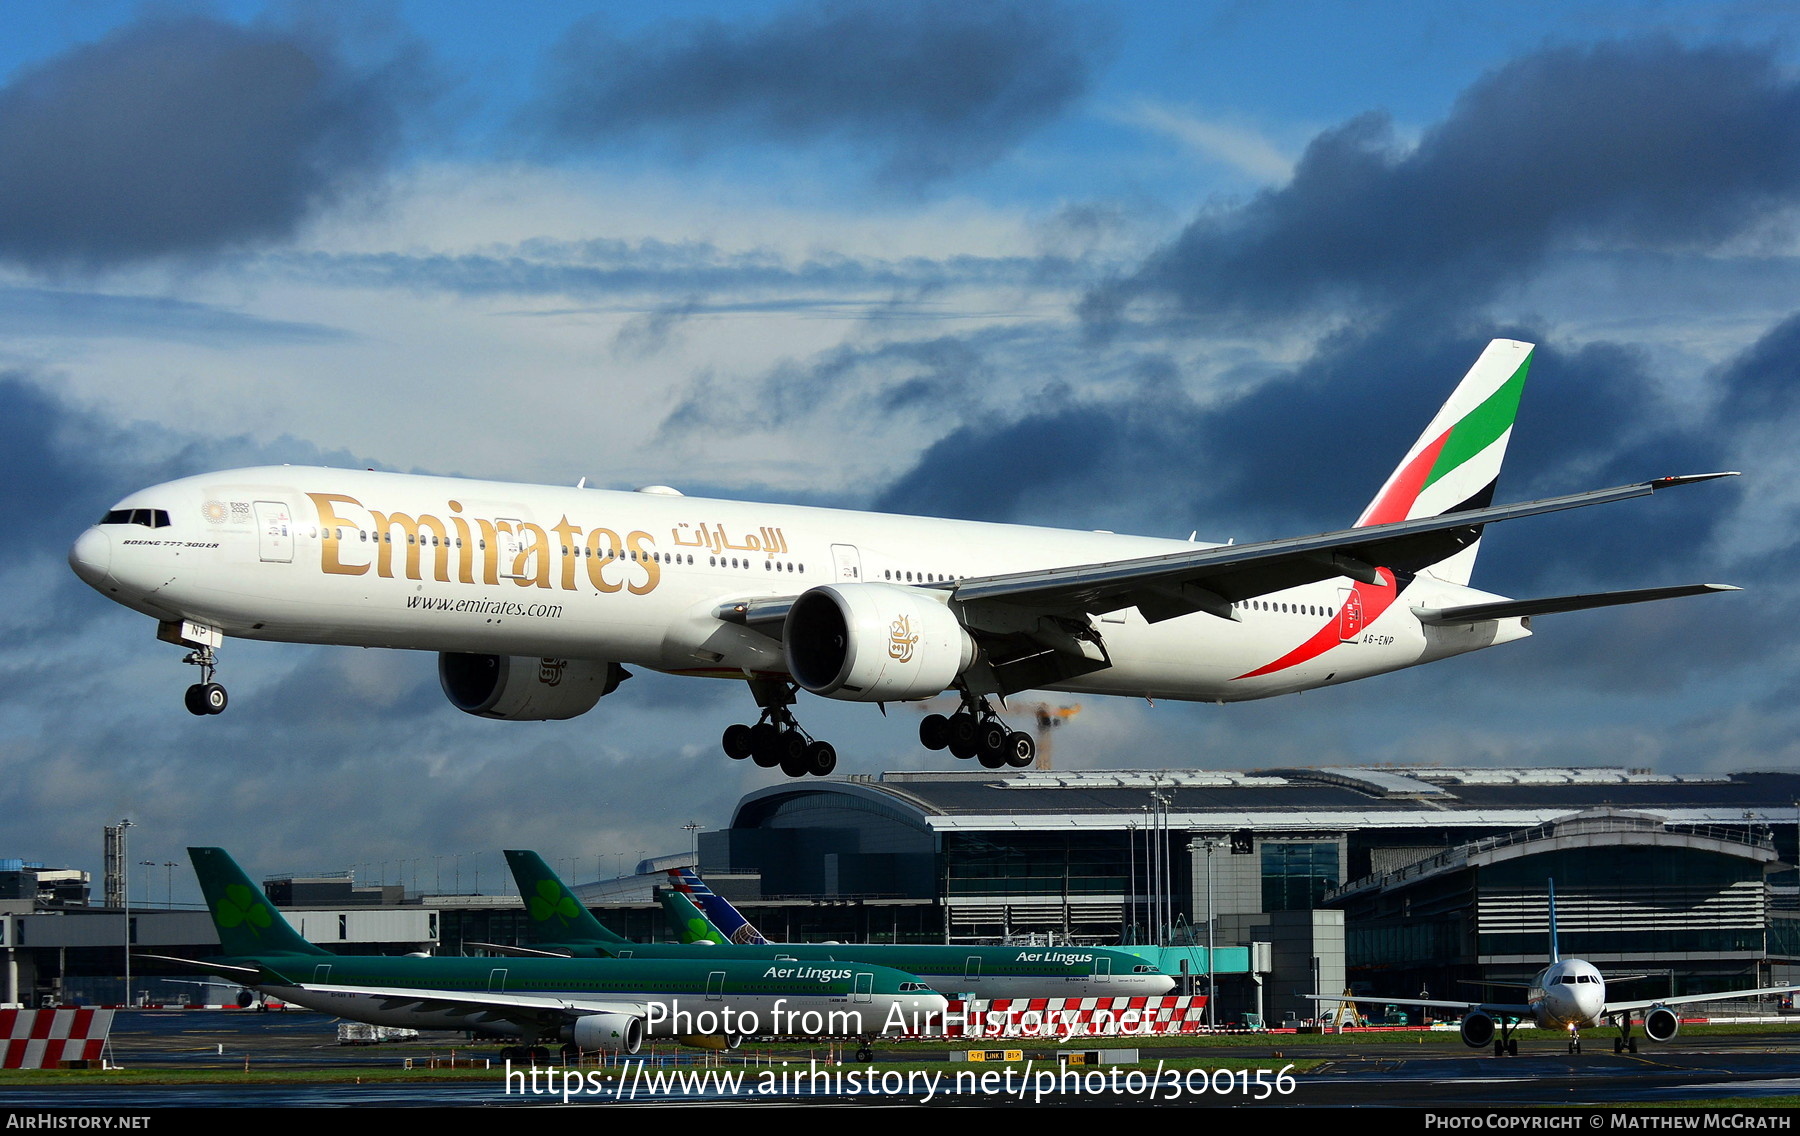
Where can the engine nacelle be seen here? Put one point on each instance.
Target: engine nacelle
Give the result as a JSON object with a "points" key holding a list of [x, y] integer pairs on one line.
{"points": [[874, 643], [608, 1033], [1661, 1023], [714, 1041], [519, 689], [1477, 1030]]}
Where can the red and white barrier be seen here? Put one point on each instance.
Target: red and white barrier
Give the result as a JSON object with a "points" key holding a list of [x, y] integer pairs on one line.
{"points": [[44, 1039], [1076, 1017]]}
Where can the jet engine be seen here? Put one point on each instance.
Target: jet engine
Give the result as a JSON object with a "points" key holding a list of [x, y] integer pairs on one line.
{"points": [[1661, 1023], [714, 1041], [874, 643], [608, 1033], [520, 689], [1477, 1030]]}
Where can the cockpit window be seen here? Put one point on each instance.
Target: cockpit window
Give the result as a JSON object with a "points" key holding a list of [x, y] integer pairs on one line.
{"points": [[149, 518]]}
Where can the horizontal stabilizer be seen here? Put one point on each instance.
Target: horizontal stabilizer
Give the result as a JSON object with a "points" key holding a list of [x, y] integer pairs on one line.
{"points": [[1513, 609]]}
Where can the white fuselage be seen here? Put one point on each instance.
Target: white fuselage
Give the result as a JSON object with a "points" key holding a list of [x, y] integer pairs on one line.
{"points": [[369, 559], [1566, 995]]}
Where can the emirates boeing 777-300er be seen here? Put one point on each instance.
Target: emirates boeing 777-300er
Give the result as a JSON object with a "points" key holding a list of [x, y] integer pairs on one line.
{"points": [[538, 597]]}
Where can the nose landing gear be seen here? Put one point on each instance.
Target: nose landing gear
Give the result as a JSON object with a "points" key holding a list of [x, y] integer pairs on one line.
{"points": [[206, 696]]}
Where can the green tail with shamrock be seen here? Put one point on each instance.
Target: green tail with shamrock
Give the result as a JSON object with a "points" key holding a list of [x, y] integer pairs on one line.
{"points": [[554, 915], [248, 924]]}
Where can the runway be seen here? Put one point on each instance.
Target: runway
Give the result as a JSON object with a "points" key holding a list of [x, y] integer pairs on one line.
{"points": [[1436, 1073]]}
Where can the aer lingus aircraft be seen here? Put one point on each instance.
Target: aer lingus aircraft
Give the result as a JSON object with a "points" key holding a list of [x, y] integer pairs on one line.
{"points": [[536, 598], [591, 1004], [1568, 995], [560, 925]]}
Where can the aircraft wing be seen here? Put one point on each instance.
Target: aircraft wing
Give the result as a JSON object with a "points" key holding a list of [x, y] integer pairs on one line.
{"points": [[1687, 999], [1494, 1009], [1211, 579], [535, 1010]]}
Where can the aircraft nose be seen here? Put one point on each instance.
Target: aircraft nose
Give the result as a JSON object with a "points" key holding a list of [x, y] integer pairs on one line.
{"points": [[91, 557]]}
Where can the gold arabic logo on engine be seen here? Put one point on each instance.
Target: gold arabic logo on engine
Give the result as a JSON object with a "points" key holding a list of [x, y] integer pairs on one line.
{"points": [[901, 640], [550, 671]]}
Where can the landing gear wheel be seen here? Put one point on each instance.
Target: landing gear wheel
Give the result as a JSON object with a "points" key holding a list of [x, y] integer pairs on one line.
{"points": [[791, 745], [1631, 1046], [964, 735], [821, 759], [1512, 1047], [1574, 1045], [195, 700], [1499, 1049], [934, 731], [865, 1054], [1618, 1046], [992, 760], [213, 695], [737, 742], [763, 739], [1021, 751]]}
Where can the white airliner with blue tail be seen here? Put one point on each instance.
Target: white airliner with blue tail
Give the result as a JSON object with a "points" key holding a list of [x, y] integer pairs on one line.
{"points": [[1569, 995]]}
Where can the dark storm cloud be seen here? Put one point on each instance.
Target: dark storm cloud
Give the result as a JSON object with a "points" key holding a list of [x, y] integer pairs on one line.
{"points": [[65, 466], [928, 89], [1305, 450], [1645, 144], [186, 136]]}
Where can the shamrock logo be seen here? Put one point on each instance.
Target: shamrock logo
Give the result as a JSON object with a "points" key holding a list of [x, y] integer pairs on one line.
{"points": [[242, 906], [552, 899]]}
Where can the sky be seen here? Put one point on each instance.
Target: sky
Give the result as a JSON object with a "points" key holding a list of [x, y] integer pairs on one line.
{"points": [[1153, 268]]}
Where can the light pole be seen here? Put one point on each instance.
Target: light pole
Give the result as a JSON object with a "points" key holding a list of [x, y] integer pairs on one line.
{"points": [[125, 884]]}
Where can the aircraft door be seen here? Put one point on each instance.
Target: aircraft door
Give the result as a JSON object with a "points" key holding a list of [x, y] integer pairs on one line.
{"points": [[865, 987], [1350, 614], [972, 968], [509, 546], [848, 564], [497, 981], [322, 973], [715, 986], [1102, 969], [275, 532]]}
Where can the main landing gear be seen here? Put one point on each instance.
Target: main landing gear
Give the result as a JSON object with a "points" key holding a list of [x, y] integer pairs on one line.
{"points": [[205, 696], [776, 739], [1506, 1045], [976, 731], [1625, 1043]]}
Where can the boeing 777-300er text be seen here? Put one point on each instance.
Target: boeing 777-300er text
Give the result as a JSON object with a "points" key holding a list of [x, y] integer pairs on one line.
{"points": [[537, 597], [590, 1004], [1568, 995]]}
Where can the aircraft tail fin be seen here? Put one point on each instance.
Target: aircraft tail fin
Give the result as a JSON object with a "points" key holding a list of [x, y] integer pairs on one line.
{"points": [[689, 923], [553, 913], [248, 924], [1555, 954], [1455, 463], [725, 917]]}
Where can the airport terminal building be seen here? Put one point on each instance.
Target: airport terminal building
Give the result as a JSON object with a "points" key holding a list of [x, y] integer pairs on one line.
{"points": [[1390, 880]]}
